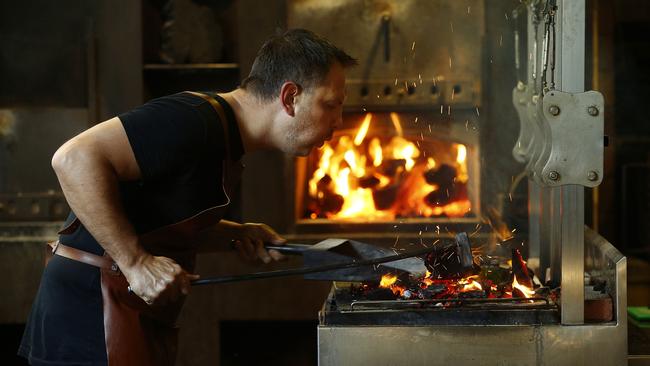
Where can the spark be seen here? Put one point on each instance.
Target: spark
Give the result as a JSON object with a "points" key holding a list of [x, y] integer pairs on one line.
{"points": [[500, 40], [506, 14], [468, 9], [449, 110], [395, 81], [510, 195], [477, 112], [451, 25], [450, 62], [466, 125], [442, 106], [413, 46], [429, 128]]}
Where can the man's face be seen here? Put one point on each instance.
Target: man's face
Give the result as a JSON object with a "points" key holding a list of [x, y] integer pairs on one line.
{"points": [[318, 113]]}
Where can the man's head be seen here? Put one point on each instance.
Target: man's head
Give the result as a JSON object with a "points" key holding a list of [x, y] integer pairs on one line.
{"points": [[304, 73]]}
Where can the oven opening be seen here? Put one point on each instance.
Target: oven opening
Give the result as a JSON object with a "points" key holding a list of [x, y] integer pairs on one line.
{"points": [[388, 166]]}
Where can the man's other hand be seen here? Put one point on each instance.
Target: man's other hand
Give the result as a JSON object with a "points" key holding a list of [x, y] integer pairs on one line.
{"points": [[249, 241]]}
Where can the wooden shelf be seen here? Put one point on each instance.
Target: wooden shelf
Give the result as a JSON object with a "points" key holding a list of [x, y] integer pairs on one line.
{"points": [[210, 66]]}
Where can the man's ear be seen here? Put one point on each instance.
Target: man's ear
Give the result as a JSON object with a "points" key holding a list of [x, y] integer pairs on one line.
{"points": [[288, 94]]}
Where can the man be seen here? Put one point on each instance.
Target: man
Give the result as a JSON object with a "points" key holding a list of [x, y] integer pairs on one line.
{"points": [[144, 187]]}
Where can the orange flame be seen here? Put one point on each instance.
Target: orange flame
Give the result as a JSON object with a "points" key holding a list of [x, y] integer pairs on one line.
{"points": [[366, 173], [470, 284], [375, 151], [387, 280], [363, 130], [396, 123], [461, 159], [528, 292]]}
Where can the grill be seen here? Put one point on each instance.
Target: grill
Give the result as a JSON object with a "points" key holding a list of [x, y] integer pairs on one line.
{"points": [[406, 72]]}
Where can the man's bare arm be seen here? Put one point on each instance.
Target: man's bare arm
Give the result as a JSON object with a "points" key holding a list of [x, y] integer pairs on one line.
{"points": [[89, 168]]}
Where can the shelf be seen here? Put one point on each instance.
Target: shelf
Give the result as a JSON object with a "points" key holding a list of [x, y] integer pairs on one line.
{"points": [[210, 66]]}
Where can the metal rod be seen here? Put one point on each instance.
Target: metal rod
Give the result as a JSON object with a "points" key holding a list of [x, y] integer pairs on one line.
{"points": [[306, 270], [437, 301]]}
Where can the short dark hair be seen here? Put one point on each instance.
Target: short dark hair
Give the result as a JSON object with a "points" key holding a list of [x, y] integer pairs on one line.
{"points": [[297, 55]]}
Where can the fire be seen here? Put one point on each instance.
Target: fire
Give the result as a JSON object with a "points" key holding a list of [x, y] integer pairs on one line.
{"points": [[396, 123], [387, 280], [363, 130], [528, 292], [375, 151], [461, 159], [371, 177], [470, 284]]}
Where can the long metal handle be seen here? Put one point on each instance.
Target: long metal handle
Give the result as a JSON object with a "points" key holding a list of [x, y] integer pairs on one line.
{"points": [[296, 249], [305, 270]]}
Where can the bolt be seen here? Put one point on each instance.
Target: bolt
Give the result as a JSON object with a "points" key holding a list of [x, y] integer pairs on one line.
{"points": [[553, 175], [592, 110], [592, 176], [554, 110]]}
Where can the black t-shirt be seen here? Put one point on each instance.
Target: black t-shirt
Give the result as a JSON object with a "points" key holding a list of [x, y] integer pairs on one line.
{"points": [[178, 142]]}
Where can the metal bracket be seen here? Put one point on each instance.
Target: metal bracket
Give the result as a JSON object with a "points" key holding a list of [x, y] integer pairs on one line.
{"points": [[561, 137]]}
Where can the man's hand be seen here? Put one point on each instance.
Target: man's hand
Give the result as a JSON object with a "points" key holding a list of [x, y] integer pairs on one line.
{"points": [[249, 241], [158, 280]]}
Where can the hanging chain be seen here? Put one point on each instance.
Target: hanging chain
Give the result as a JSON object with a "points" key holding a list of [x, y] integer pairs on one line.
{"points": [[549, 12], [536, 19]]}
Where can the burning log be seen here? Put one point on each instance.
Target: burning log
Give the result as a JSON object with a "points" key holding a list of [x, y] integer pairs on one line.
{"points": [[368, 181], [522, 283], [324, 183], [438, 197], [453, 260], [390, 167], [443, 176], [385, 197]]}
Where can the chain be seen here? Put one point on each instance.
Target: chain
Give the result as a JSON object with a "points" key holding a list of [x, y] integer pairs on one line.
{"points": [[549, 12]]}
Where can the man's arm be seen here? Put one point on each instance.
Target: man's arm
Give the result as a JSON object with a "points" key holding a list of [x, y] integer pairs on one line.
{"points": [[89, 168]]}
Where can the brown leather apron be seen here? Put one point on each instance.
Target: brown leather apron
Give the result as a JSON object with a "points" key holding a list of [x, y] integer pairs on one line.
{"points": [[136, 333]]}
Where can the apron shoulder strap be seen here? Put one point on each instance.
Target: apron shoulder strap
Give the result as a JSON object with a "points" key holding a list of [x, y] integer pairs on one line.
{"points": [[222, 117]]}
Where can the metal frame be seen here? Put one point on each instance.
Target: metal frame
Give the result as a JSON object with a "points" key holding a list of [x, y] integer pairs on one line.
{"points": [[597, 344]]}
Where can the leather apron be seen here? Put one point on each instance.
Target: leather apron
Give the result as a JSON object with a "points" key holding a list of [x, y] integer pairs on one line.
{"points": [[144, 335]]}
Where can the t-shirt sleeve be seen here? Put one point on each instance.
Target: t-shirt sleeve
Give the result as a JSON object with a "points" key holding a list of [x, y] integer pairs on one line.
{"points": [[166, 135]]}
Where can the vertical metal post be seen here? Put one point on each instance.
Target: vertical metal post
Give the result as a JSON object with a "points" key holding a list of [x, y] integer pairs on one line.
{"points": [[570, 78], [534, 215]]}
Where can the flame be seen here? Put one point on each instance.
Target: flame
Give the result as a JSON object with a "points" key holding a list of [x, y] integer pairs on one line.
{"points": [[361, 171], [431, 163], [470, 284], [404, 149], [323, 167], [363, 130], [398, 126], [528, 292], [462, 154], [387, 280], [461, 159], [375, 151]]}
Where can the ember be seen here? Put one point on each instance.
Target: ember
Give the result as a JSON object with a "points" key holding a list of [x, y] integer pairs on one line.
{"points": [[489, 280], [369, 175]]}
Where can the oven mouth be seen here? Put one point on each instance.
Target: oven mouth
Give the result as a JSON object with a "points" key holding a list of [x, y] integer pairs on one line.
{"points": [[388, 167]]}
